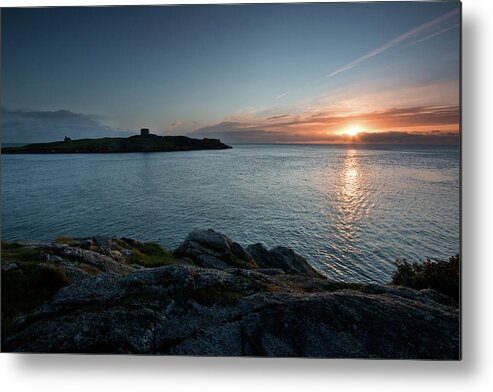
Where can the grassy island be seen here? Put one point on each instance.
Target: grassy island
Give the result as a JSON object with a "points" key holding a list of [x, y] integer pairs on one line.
{"points": [[137, 143]]}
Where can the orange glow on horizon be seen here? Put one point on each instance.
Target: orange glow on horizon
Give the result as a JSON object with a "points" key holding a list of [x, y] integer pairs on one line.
{"points": [[352, 131], [399, 125]]}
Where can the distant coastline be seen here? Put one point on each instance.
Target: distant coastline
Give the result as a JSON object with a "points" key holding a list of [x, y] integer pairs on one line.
{"points": [[137, 143]]}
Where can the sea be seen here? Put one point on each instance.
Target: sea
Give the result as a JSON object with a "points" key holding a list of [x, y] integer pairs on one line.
{"points": [[351, 211]]}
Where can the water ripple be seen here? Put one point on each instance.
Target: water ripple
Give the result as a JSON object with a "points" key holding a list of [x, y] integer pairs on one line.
{"points": [[350, 212]]}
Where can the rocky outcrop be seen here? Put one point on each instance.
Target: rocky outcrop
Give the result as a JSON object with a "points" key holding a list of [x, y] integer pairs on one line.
{"points": [[210, 249], [217, 298], [283, 258]]}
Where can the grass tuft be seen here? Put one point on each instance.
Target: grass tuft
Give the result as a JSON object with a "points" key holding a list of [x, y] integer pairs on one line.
{"points": [[66, 240], [15, 252], [150, 254]]}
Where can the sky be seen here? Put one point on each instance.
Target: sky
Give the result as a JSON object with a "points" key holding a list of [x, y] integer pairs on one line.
{"points": [[268, 73]]}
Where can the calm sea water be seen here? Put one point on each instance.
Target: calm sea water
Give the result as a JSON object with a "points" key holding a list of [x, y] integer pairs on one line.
{"points": [[349, 211]]}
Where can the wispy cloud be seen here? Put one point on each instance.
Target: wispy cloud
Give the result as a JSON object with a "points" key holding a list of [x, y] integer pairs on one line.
{"points": [[433, 35], [411, 34], [278, 117], [372, 96], [282, 95], [21, 126]]}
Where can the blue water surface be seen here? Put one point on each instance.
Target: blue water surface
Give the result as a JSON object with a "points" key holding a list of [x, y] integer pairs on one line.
{"points": [[350, 211]]}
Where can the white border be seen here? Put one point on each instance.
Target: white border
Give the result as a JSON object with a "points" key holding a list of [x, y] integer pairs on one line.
{"points": [[138, 374]]}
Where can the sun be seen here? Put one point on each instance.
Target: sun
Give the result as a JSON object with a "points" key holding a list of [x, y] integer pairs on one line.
{"points": [[353, 131]]}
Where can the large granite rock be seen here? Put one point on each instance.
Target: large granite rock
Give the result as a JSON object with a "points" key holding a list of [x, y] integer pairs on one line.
{"points": [[94, 259], [231, 302], [282, 258], [208, 248]]}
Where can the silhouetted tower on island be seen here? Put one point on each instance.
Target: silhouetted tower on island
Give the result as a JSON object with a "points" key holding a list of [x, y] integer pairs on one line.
{"points": [[144, 132]]}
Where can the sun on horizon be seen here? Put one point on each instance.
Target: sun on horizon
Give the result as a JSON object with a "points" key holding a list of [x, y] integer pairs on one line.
{"points": [[352, 131]]}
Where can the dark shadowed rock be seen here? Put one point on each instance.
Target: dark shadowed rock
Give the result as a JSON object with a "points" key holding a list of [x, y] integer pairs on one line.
{"points": [[87, 244], [281, 258], [195, 311], [425, 295], [9, 266]]}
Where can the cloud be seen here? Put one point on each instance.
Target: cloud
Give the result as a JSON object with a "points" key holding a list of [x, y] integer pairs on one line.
{"points": [[421, 124], [176, 124], [436, 137], [411, 34], [34, 126], [371, 97], [234, 132], [282, 95], [278, 117], [440, 32]]}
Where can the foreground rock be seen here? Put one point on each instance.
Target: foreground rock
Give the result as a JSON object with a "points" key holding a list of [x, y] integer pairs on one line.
{"points": [[214, 297]]}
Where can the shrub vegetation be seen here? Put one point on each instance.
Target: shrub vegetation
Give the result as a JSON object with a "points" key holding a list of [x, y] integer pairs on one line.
{"points": [[440, 275]]}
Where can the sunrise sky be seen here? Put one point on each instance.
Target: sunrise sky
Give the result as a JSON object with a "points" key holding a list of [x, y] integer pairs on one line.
{"points": [[287, 73]]}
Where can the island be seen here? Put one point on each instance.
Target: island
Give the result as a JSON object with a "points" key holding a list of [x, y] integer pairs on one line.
{"points": [[213, 296], [145, 142]]}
